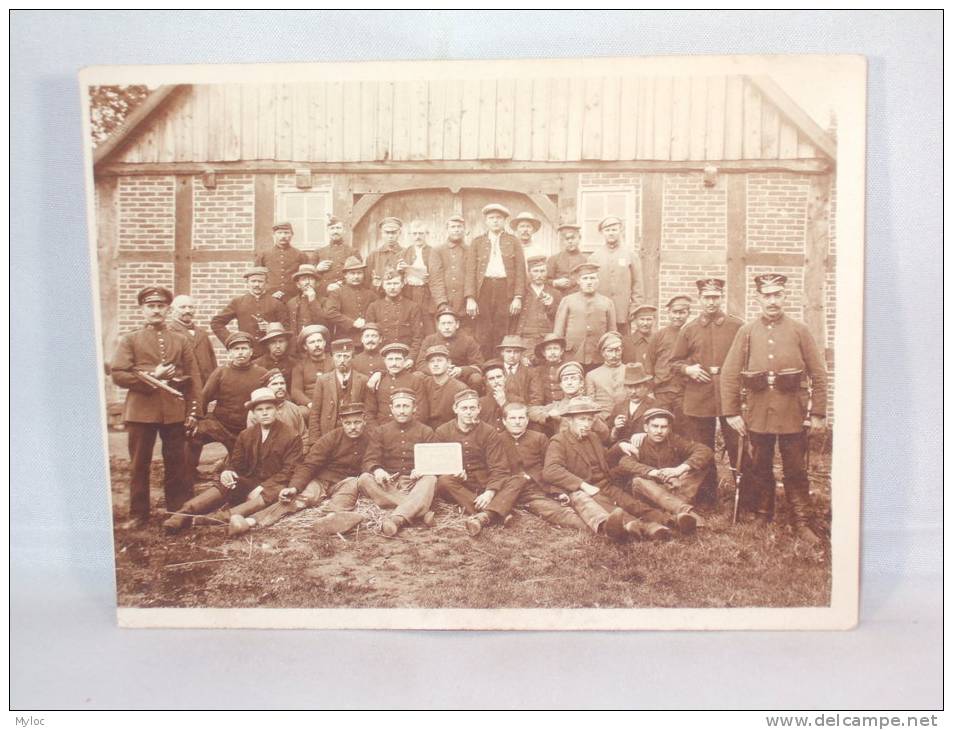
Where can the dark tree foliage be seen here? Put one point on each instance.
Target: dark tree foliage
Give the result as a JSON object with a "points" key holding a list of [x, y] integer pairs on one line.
{"points": [[109, 106]]}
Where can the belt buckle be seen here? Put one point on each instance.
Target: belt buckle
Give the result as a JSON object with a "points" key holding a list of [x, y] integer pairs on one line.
{"points": [[771, 378], [714, 370]]}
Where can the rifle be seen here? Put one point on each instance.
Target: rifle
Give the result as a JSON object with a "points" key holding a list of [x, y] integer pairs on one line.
{"points": [[736, 475], [156, 383]]}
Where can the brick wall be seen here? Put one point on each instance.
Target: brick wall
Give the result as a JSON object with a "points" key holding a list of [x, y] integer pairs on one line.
{"points": [[794, 304], [214, 283], [224, 216], [777, 211], [680, 279], [146, 213], [694, 217]]}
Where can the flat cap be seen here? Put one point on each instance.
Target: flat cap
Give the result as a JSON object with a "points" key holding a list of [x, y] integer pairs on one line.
{"points": [[535, 260], [586, 267], [677, 298], [496, 208], [255, 271], [333, 220], [351, 409], [710, 286], [610, 338], [267, 377], [390, 222], [569, 227], [371, 326], [570, 367], [436, 351], [395, 347], [493, 365], [456, 219], [237, 338], [467, 394], [446, 309], [283, 226], [644, 308], [655, 413], [154, 294], [611, 220]]}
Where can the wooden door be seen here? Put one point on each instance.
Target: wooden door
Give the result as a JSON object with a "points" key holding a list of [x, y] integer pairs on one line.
{"points": [[431, 206]]}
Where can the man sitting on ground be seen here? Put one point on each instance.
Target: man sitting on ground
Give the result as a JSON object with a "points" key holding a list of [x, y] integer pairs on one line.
{"points": [[626, 417], [313, 340], [291, 414], [437, 390]]}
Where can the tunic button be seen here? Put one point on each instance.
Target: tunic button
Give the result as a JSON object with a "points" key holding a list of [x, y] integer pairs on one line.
{"points": [[770, 357], [770, 342]]}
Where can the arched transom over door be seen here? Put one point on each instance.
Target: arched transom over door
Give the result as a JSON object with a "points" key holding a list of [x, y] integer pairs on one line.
{"points": [[434, 206]]}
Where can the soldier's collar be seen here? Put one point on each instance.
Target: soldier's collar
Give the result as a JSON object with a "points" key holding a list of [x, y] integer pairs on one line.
{"points": [[706, 320], [159, 326], [772, 321]]}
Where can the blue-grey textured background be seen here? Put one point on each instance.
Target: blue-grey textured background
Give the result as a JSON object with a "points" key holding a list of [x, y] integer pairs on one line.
{"points": [[65, 650]]}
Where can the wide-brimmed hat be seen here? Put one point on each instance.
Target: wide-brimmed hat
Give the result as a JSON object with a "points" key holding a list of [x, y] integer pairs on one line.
{"points": [[238, 337], [635, 374], [496, 208], [353, 263], [581, 405], [305, 270], [311, 329], [273, 331], [549, 339], [154, 294], [514, 341], [529, 218], [259, 396]]}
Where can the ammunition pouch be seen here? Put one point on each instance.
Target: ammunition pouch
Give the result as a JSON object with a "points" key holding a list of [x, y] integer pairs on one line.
{"points": [[788, 381], [755, 380]]}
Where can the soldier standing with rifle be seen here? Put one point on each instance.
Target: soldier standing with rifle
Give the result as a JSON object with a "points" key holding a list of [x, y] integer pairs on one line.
{"points": [[776, 362]]}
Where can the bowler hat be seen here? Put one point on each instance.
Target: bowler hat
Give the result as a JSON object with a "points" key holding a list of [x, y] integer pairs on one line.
{"points": [[236, 338], [154, 294], [635, 374], [273, 331], [529, 218], [259, 396], [581, 405], [514, 341], [311, 329], [496, 208]]}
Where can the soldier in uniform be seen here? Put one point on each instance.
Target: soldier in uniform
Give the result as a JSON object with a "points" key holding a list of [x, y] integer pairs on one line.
{"points": [[635, 346], [253, 311], [388, 475], [277, 339], [396, 375], [312, 341], [539, 304], [331, 260], [335, 389], [369, 360], [183, 322], [605, 383], [572, 385], [465, 354], [437, 389], [496, 278], [775, 359], [620, 271], [281, 261], [387, 256], [584, 317], [415, 262], [305, 308], [448, 271], [150, 410], [485, 489], [400, 319], [559, 268], [346, 305], [668, 383], [700, 350]]}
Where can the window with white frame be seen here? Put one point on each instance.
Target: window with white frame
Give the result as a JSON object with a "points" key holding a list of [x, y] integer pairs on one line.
{"points": [[307, 211], [596, 203]]}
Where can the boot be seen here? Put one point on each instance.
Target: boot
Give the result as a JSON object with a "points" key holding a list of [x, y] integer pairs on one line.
{"points": [[686, 523], [800, 506], [238, 525], [392, 525], [428, 519], [652, 531], [337, 523], [615, 526], [476, 523], [204, 502]]}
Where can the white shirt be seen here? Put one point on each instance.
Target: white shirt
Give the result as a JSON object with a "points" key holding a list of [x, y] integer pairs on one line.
{"points": [[414, 273], [494, 267]]}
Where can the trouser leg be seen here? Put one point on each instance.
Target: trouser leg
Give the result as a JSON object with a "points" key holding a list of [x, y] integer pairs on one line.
{"points": [[703, 431], [310, 496], [176, 479], [455, 490], [141, 441], [633, 506], [343, 495], [493, 321], [659, 495], [502, 503], [793, 447], [762, 472], [536, 502], [589, 510], [408, 505]]}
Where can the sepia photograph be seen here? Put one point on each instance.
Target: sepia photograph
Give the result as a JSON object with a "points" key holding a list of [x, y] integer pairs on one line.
{"points": [[534, 339]]}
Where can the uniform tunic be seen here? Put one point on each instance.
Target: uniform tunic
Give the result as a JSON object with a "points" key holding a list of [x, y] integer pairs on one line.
{"points": [[201, 346], [391, 447], [281, 262], [144, 350], [620, 277], [448, 276], [635, 348], [464, 352], [527, 454], [704, 341], [605, 386], [380, 398], [400, 321], [267, 463], [304, 374], [346, 304], [286, 365], [668, 381], [561, 265], [368, 362], [302, 312], [253, 315], [484, 457], [773, 346], [337, 253], [435, 406], [330, 459], [582, 319], [382, 259], [230, 388], [672, 452]]}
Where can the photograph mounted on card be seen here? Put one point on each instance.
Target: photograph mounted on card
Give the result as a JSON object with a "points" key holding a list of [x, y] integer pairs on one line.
{"points": [[555, 344]]}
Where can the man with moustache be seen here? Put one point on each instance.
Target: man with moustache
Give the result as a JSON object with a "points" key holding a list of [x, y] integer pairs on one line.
{"points": [[396, 376], [312, 341], [252, 310], [277, 339], [305, 308], [550, 355], [635, 346], [387, 256], [369, 360], [496, 278], [346, 305], [572, 384], [539, 304], [388, 475], [415, 262], [668, 384], [335, 389], [605, 384], [559, 268], [584, 317], [331, 260], [620, 271], [437, 389], [775, 359], [448, 271], [627, 416], [182, 321], [496, 398], [149, 410], [400, 319], [524, 226], [520, 383], [700, 351], [281, 261], [465, 354]]}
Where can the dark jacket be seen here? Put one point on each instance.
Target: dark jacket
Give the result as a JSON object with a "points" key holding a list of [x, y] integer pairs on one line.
{"points": [[269, 463], [253, 315], [391, 447], [330, 459], [201, 346], [570, 461], [478, 256], [673, 451], [329, 396], [448, 268], [633, 422]]}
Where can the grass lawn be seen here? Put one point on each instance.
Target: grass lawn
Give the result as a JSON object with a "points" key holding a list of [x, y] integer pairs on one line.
{"points": [[527, 564]]}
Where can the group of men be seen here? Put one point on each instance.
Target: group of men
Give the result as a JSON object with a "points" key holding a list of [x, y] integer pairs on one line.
{"points": [[547, 372]]}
